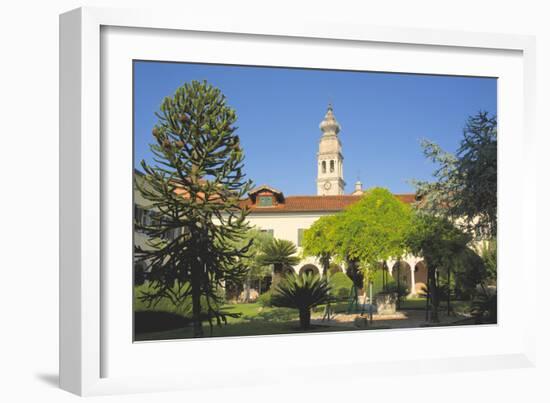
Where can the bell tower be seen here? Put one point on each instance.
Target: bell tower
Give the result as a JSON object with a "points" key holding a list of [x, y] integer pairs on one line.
{"points": [[330, 161]]}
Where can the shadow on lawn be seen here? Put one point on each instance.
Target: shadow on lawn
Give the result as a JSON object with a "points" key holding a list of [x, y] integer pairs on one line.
{"points": [[158, 321]]}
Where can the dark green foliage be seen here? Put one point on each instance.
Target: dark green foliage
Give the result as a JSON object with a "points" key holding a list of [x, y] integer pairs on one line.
{"points": [[484, 308], [489, 256], [194, 187], [466, 182], [302, 292], [469, 271], [476, 167], [139, 274], [441, 244]]}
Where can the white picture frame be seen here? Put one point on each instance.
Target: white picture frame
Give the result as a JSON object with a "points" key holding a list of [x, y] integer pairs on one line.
{"points": [[96, 359]]}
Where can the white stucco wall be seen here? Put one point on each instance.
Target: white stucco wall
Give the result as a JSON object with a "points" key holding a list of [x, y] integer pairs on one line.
{"points": [[285, 226]]}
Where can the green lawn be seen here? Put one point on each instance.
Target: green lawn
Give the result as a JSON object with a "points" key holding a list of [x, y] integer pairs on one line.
{"points": [[420, 303], [255, 319]]}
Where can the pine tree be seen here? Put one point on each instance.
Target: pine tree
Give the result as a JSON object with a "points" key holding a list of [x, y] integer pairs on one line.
{"points": [[194, 188]]}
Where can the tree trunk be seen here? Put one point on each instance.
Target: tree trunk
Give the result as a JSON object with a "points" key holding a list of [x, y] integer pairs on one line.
{"points": [[434, 295], [277, 275], [305, 319], [196, 300], [398, 284], [247, 289], [325, 262]]}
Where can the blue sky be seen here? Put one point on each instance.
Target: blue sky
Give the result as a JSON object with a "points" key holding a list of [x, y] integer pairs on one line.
{"points": [[383, 117]]}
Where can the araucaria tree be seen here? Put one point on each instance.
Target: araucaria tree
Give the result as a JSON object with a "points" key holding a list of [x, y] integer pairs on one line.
{"points": [[194, 188]]}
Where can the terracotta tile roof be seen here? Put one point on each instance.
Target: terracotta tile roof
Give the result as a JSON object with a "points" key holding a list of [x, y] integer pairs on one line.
{"points": [[314, 203]]}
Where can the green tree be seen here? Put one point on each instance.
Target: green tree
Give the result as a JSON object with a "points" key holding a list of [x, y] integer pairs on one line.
{"points": [[466, 182], [194, 187], [302, 292], [372, 231], [319, 241], [440, 243], [255, 269], [279, 253]]}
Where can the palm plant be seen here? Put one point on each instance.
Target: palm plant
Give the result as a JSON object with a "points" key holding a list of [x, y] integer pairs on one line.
{"points": [[302, 292], [279, 253]]}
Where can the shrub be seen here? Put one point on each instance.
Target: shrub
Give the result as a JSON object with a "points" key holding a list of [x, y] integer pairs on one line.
{"points": [[302, 292], [340, 285], [185, 308], [484, 308], [265, 299]]}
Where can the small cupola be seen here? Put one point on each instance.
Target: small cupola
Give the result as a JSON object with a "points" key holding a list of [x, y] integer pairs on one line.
{"points": [[358, 189]]}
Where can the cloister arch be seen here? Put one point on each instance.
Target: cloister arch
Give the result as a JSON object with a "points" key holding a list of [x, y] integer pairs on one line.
{"points": [[309, 268], [403, 270], [288, 270], [334, 268], [420, 276]]}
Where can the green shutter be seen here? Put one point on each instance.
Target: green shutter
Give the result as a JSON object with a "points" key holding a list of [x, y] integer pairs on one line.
{"points": [[266, 201], [267, 231]]}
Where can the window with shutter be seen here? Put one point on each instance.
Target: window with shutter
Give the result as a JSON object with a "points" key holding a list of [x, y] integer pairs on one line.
{"points": [[265, 201]]}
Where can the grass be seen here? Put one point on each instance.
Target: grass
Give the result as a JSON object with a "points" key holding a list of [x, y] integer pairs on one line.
{"points": [[254, 319], [418, 303]]}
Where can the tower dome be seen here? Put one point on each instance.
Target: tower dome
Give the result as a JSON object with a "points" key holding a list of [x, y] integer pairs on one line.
{"points": [[329, 125]]}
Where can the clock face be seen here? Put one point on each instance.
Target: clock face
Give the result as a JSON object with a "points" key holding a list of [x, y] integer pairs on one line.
{"points": [[327, 185]]}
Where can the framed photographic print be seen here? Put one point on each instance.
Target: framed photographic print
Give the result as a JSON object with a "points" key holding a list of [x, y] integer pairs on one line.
{"points": [[234, 190]]}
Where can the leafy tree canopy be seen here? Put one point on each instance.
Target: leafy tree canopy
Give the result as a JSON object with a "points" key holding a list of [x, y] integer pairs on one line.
{"points": [[436, 239], [373, 229], [319, 240], [465, 188]]}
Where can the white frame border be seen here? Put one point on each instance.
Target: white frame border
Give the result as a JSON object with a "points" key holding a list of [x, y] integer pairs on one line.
{"points": [[80, 258]]}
